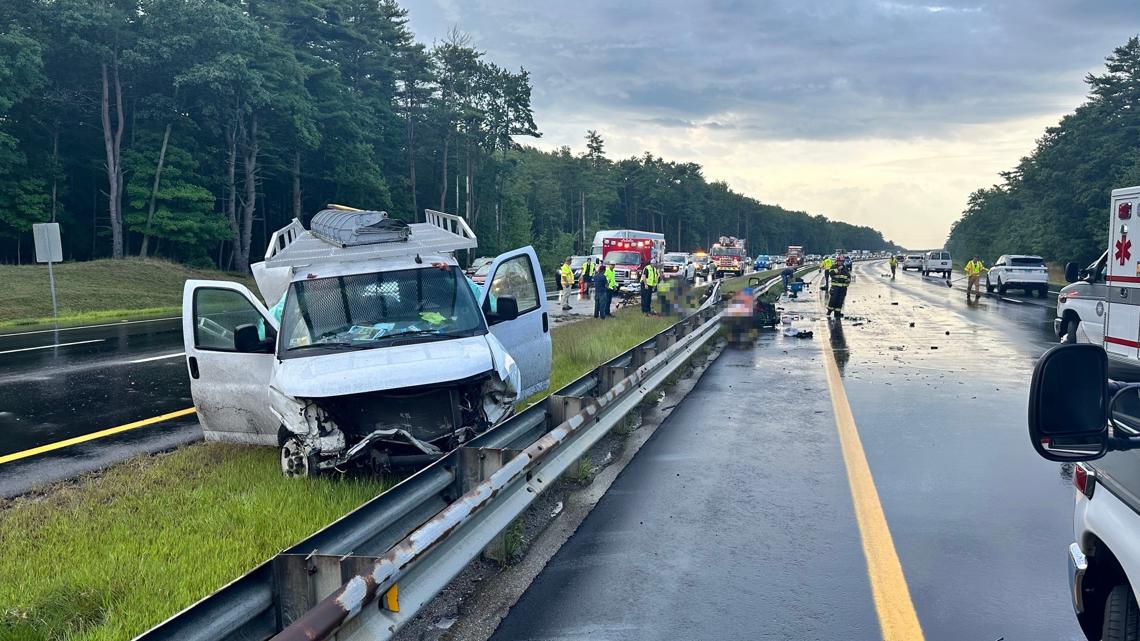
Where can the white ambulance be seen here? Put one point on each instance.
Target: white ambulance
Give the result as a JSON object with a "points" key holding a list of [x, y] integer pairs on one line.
{"points": [[1122, 281]]}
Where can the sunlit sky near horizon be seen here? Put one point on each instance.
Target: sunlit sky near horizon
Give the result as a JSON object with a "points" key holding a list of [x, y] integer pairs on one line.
{"points": [[882, 113]]}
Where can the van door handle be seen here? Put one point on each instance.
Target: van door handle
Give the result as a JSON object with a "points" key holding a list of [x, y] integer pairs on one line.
{"points": [[545, 323], [193, 362]]}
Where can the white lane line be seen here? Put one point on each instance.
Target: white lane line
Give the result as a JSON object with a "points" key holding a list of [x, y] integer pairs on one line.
{"points": [[156, 358], [1010, 300], [28, 349], [68, 329]]}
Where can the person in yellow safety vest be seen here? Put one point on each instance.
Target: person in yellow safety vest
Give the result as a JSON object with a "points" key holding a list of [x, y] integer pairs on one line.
{"points": [[974, 270], [894, 266], [840, 279], [648, 286], [586, 279], [611, 288], [825, 267], [567, 276]]}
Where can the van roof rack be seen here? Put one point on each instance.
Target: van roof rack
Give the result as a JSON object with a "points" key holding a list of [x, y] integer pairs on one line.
{"points": [[293, 245]]}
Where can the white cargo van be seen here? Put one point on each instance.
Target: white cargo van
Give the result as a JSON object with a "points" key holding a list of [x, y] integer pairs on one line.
{"points": [[382, 352]]}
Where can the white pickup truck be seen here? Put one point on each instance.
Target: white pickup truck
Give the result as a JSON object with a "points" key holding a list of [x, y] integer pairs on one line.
{"points": [[383, 353]]}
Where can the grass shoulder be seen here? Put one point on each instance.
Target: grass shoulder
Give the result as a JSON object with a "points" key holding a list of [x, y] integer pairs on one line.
{"points": [[98, 291]]}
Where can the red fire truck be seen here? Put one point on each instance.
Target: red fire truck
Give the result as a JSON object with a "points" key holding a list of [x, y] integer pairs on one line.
{"points": [[728, 257], [795, 256], [628, 253]]}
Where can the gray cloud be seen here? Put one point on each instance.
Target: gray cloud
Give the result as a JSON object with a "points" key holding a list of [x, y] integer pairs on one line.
{"points": [[783, 69]]}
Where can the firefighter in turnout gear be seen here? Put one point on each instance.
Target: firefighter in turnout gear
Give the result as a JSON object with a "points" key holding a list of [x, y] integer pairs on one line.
{"points": [[840, 279]]}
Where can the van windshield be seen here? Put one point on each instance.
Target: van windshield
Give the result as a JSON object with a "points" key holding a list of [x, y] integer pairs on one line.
{"points": [[379, 309]]}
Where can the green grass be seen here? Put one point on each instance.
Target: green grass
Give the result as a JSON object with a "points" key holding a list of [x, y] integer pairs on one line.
{"points": [[110, 555], [114, 554], [582, 346], [99, 290]]}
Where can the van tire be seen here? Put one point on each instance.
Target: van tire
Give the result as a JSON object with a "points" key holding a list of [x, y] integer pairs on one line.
{"points": [[1121, 616]]}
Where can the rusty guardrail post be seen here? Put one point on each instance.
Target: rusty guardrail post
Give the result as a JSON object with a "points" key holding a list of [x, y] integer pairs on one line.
{"points": [[475, 466]]}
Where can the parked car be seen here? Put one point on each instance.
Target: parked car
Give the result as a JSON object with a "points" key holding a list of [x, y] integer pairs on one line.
{"points": [[678, 265], [912, 261], [1081, 306], [477, 263], [1027, 273], [576, 263], [701, 264], [937, 261], [480, 276]]}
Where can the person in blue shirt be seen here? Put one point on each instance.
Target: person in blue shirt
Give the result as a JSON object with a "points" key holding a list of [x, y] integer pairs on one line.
{"points": [[601, 294]]}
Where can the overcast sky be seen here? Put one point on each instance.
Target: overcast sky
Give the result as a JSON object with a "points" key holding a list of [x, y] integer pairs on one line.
{"points": [[884, 113]]}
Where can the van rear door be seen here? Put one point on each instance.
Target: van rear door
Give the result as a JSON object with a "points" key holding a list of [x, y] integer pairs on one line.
{"points": [[1122, 318], [517, 274]]}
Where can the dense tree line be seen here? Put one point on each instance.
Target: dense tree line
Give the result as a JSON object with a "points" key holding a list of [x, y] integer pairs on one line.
{"points": [[191, 129], [1055, 201]]}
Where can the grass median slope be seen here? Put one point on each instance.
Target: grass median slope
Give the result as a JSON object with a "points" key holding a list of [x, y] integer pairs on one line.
{"points": [[99, 290]]}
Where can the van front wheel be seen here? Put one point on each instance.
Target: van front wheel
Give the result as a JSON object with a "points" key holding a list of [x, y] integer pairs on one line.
{"points": [[1121, 616], [296, 462]]}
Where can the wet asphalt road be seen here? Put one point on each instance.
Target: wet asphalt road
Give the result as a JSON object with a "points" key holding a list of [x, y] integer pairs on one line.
{"points": [[735, 520], [60, 385]]}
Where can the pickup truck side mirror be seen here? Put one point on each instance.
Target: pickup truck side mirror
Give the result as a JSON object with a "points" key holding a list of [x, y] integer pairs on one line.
{"points": [[247, 340], [506, 309], [1072, 273], [1069, 405]]}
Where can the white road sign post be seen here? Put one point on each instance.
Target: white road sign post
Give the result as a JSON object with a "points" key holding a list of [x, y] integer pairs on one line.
{"points": [[49, 250]]}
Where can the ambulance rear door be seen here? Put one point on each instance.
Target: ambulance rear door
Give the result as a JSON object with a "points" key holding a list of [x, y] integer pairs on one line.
{"points": [[1122, 318]]}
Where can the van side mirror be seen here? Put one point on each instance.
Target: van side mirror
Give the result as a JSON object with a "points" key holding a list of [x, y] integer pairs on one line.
{"points": [[1068, 403], [753, 282], [247, 340], [1072, 272], [506, 309]]}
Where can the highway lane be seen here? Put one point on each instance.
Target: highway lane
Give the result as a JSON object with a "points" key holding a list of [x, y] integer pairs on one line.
{"points": [[736, 520]]}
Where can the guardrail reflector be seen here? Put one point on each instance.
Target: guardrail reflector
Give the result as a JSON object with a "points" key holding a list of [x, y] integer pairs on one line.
{"points": [[392, 598]]}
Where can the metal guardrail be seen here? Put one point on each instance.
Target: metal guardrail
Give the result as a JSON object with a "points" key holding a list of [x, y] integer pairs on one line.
{"points": [[402, 547]]}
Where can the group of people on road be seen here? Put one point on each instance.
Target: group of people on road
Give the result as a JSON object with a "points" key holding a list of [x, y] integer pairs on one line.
{"points": [[603, 281]]}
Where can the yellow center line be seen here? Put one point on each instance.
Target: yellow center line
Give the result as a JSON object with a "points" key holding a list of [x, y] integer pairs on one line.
{"points": [[8, 458], [897, 618]]}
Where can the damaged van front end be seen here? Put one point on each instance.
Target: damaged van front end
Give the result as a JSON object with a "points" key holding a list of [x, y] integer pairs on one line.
{"points": [[360, 415]]}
